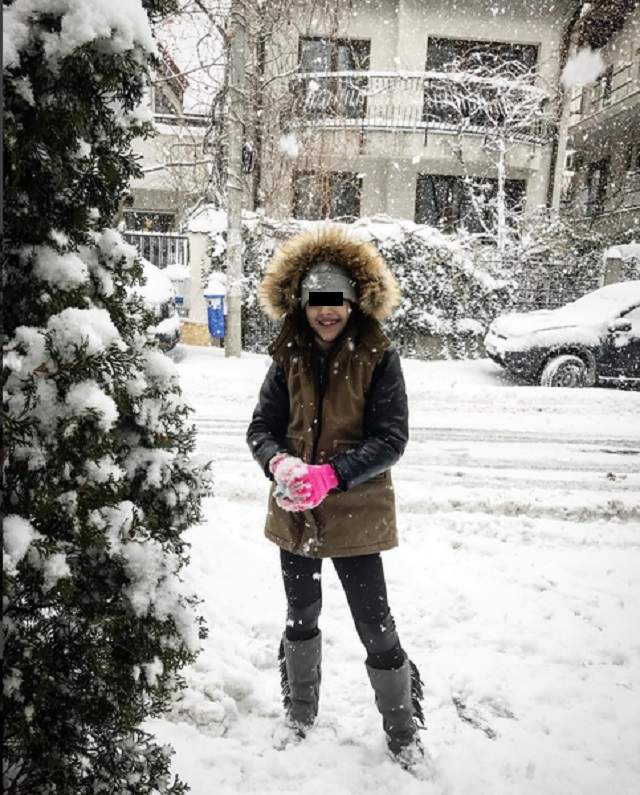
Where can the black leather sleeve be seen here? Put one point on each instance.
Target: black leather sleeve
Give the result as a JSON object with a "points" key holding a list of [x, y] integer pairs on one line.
{"points": [[266, 434], [386, 427]]}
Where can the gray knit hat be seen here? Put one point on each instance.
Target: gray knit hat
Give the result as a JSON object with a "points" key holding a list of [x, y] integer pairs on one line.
{"points": [[328, 278]]}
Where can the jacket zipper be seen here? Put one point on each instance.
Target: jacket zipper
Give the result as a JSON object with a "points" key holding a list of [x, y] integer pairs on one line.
{"points": [[322, 385]]}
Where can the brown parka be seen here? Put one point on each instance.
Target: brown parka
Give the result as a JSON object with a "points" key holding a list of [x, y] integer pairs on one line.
{"points": [[348, 408]]}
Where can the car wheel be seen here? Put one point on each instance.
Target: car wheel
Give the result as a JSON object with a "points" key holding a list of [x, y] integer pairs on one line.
{"points": [[566, 370]]}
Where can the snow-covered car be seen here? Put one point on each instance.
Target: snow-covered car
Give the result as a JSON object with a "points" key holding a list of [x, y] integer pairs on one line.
{"points": [[159, 296], [595, 339]]}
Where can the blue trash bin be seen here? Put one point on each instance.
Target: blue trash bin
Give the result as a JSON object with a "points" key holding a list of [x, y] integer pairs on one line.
{"points": [[215, 315]]}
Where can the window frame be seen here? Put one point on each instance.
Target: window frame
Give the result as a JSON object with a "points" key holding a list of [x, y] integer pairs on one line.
{"points": [[602, 93], [434, 113], [142, 215], [490, 45], [335, 106], [463, 209], [596, 203]]}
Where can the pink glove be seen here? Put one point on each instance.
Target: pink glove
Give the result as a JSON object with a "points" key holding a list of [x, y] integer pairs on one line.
{"points": [[285, 468], [309, 488]]}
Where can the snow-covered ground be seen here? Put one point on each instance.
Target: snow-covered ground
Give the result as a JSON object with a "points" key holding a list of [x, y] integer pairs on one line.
{"points": [[516, 590]]}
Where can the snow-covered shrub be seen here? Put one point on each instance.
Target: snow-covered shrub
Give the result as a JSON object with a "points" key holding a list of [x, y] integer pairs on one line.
{"points": [[445, 294], [553, 260], [99, 481]]}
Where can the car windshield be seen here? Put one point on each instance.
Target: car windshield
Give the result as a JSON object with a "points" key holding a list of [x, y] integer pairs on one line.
{"points": [[606, 301]]}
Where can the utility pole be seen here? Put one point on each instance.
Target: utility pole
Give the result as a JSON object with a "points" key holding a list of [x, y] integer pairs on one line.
{"points": [[236, 115]]}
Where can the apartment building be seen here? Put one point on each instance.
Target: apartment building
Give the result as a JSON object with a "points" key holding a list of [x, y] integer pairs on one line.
{"points": [[600, 186], [374, 131], [173, 161]]}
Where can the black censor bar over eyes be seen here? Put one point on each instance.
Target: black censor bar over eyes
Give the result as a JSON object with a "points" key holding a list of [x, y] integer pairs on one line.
{"points": [[325, 299]]}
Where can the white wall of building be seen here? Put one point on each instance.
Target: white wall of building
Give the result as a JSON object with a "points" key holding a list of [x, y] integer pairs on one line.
{"points": [[398, 31]]}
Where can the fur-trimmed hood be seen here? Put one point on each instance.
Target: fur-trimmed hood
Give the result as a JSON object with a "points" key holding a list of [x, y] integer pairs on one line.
{"points": [[279, 292]]}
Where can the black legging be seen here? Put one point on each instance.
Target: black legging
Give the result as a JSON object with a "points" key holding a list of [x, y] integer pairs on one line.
{"points": [[362, 578]]}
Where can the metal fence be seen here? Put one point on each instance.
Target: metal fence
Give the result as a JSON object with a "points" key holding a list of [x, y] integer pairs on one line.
{"points": [[547, 284], [160, 248], [410, 101]]}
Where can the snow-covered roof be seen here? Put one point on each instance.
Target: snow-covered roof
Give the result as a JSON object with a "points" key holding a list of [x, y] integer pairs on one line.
{"points": [[207, 220], [177, 271], [217, 284]]}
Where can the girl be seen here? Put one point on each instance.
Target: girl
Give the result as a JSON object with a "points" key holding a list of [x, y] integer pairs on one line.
{"points": [[331, 420]]}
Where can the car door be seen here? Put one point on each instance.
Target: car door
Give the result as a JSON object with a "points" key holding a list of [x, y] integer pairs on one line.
{"points": [[622, 348]]}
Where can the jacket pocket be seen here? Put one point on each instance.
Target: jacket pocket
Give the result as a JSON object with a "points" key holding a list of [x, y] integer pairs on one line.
{"points": [[344, 446]]}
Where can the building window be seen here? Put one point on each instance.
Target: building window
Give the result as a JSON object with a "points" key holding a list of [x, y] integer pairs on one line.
{"points": [[446, 55], [582, 104], [631, 197], [169, 87], [332, 97], [597, 179], [633, 157], [442, 53], [333, 194], [572, 168], [450, 202], [162, 103], [148, 221], [601, 95]]}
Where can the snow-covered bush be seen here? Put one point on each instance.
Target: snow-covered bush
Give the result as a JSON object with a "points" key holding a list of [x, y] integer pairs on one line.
{"points": [[445, 294], [99, 481], [554, 260]]}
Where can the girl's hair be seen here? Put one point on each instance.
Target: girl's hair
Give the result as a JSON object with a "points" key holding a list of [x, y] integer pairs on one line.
{"points": [[307, 335]]}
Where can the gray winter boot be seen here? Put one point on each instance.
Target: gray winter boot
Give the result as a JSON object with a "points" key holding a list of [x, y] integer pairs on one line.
{"points": [[398, 692], [300, 679]]}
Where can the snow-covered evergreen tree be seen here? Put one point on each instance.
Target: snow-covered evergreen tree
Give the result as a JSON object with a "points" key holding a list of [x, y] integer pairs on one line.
{"points": [[99, 483]]}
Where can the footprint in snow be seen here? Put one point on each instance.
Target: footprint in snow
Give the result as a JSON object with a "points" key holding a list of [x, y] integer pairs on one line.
{"points": [[473, 714]]}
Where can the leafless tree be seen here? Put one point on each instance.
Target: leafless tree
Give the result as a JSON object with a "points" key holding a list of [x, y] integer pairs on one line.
{"points": [[504, 102], [274, 128]]}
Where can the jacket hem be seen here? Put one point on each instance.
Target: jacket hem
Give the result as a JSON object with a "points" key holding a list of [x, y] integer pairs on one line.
{"points": [[342, 552]]}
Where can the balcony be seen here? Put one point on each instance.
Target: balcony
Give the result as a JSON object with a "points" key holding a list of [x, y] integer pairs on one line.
{"points": [[610, 91], [160, 248], [418, 102]]}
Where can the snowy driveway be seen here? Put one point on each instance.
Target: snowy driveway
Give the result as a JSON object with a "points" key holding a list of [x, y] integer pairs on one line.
{"points": [[516, 590]]}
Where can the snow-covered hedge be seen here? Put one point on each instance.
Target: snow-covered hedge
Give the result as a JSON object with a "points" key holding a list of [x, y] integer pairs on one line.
{"points": [[99, 480], [444, 293], [555, 259]]}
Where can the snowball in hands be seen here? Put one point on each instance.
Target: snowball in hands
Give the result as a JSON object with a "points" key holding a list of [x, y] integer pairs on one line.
{"points": [[301, 486], [287, 470]]}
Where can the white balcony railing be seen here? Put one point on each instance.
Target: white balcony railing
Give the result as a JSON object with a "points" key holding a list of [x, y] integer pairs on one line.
{"points": [[160, 248], [418, 101]]}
